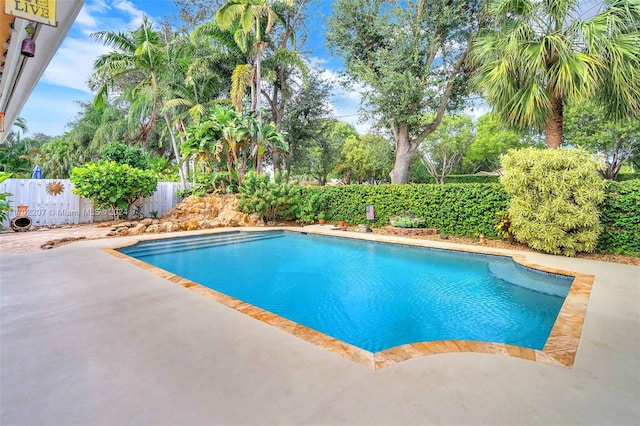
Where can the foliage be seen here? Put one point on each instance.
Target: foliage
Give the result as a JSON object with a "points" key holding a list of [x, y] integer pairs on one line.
{"points": [[308, 204], [124, 154], [586, 125], [5, 207], [366, 158], [494, 137], [627, 176], [456, 209], [326, 152], [163, 168], [113, 186], [554, 198], [303, 122], [220, 140], [536, 57], [407, 220], [411, 58], [443, 149], [503, 226], [620, 218], [58, 156], [271, 200]]}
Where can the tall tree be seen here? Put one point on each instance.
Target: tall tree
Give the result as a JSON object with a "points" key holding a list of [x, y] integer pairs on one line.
{"points": [[302, 121], [444, 148], [255, 18], [140, 54], [366, 158], [326, 151], [586, 126], [494, 137], [539, 56], [411, 57]]}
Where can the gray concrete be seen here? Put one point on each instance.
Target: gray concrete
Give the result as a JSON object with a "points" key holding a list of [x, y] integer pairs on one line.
{"points": [[88, 339]]}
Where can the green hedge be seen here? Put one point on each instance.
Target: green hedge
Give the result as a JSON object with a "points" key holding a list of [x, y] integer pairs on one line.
{"points": [[620, 218], [457, 209], [466, 179], [627, 176], [468, 209]]}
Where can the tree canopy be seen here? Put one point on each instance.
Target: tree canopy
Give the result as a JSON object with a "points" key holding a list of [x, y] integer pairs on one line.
{"points": [[410, 57], [536, 57]]}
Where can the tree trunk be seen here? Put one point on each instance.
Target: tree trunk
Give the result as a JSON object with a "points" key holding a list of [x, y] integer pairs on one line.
{"points": [[553, 127], [404, 154], [176, 152]]}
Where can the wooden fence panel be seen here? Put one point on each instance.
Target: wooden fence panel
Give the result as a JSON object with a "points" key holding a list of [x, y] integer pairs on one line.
{"points": [[48, 208]]}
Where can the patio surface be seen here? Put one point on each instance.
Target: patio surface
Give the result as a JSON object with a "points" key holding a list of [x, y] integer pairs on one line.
{"points": [[87, 338]]}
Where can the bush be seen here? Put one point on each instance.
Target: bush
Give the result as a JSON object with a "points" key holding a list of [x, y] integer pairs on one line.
{"points": [[554, 198], [271, 200], [113, 186], [620, 218], [125, 154], [5, 207]]}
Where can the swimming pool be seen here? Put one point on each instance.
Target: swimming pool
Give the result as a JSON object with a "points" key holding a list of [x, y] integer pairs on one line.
{"points": [[372, 295]]}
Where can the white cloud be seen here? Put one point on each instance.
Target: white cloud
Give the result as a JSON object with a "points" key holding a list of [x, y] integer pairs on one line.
{"points": [[345, 102], [134, 14], [77, 55], [84, 19], [53, 103]]}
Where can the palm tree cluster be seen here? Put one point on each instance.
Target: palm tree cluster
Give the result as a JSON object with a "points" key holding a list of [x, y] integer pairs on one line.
{"points": [[233, 92], [154, 85]]}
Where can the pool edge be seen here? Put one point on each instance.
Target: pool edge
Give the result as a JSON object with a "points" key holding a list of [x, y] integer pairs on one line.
{"points": [[559, 350]]}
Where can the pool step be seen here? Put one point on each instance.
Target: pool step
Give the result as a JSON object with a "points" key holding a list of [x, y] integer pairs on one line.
{"points": [[529, 279], [174, 245]]}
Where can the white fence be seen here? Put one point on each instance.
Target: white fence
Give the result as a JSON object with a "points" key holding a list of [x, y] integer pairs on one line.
{"points": [[45, 207]]}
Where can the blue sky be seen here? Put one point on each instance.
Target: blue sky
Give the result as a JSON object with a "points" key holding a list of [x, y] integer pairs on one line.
{"points": [[54, 101]]}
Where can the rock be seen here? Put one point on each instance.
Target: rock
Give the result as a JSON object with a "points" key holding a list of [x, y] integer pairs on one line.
{"points": [[190, 225], [363, 228], [147, 221], [153, 228], [410, 231], [137, 230]]}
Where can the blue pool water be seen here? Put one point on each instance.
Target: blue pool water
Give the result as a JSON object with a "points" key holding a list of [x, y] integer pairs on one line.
{"points": [[372, 295]]}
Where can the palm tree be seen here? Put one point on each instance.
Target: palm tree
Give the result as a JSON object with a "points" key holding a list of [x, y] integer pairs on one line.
{"points": [[536, 57], [249, 14], [139, 56]]}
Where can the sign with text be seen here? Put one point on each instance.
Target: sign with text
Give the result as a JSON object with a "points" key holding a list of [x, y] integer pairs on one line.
{"points": [[42, 11]]}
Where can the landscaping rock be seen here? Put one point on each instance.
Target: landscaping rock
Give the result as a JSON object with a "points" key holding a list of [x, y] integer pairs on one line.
{"points": [[394, 230]]}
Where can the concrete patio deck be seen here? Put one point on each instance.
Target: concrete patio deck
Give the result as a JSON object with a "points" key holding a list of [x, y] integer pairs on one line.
{"points": [[87, 338]]}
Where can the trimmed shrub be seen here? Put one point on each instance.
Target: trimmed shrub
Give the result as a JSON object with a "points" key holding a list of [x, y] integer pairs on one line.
{"points": [[113, 186], [620, 218], [554, 197]]}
